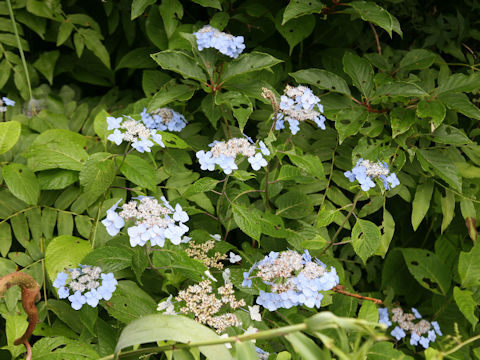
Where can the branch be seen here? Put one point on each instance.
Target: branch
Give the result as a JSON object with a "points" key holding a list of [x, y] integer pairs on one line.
{"points": [[340, 289]]}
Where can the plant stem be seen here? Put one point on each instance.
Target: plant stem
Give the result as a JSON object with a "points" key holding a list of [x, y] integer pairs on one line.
{"points": [[340, 289]]}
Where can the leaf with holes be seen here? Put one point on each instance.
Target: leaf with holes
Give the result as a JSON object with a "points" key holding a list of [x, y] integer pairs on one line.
{"points": [[360, 71], [239, 104], [366, 238], [369, 11], [298, 8], [295, 30], [428, 269]]}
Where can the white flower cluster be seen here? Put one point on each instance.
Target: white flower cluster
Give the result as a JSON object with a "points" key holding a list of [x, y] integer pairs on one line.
{"points": [[153, 221], [126, 128], [299, 104], [224, 153]]}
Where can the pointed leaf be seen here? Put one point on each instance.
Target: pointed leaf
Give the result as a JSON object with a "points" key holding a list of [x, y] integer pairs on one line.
{"points": [[22, 182]]}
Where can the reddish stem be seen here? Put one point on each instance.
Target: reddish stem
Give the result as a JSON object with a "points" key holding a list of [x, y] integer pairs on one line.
{"points": [[341, 290]]}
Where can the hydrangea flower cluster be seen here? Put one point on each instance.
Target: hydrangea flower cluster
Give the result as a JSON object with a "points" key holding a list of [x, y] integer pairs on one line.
{"points": [[299, 104], [224, 153], [153, 221], [4, 102], [200, 253], [163, 119], [422, 332], [201, 301], [209, 37], [125, 128], [365, 171], [87, 284], [293, 279]]}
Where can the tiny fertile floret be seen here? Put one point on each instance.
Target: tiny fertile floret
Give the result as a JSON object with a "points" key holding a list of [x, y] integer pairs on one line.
{"points": [[209, 37], [299, 104], [365, 171], [85, 285], [293, 279]]}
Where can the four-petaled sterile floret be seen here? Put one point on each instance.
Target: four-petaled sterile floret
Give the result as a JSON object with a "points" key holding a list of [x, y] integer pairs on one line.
{"points": [[209, 37], [365, 171], [4, 102], [163, 119]]}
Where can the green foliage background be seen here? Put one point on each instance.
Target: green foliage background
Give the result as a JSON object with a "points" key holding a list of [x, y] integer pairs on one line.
{"points": [[399, 82]]}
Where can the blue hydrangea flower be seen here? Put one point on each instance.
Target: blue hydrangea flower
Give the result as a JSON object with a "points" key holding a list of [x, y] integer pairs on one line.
{"points": [[383, 317], [113, 222], [163, 119], [209, 37], [113, 122], [436, 327], [416, 313], [7, 101], [398, 333], [299, 104], [87, 284], [366, 171]]}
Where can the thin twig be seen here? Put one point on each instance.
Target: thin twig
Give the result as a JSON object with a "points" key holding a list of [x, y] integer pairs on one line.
{"points": [[341, 290], [377, 40]]}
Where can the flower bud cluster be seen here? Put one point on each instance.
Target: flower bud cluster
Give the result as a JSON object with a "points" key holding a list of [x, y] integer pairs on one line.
{"points": [[4, 102], [209, 37], [365, 171], [163, 119], [299, 104], [88, 285], [126, 128], [293, 279], [200, 252], [224, 153], [421, 332], [153, 221], [201, 301]]}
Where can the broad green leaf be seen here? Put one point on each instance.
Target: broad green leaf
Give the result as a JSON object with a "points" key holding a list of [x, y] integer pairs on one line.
{"points": [[322, 79], [304, 346], [169, 93], [129, 302], [139, 6], [56, 179], [240, 105], [181, 263], [100, 124], [219, 20], [421, 203], [92, 38], [65, 252], [460, 83], [5, 239], [360, 71], [388, 225], [97, 175], [369, 11], [469, 267], [349, 121], [401, 120], [293, 205], [460, 102], [442, 165], [155, 28], [400, 88], [417, 59], [171, 140], [109, 258], [245, 350], [448, 208], [15, 325], [295, 30], [309, 163], [21, 182], [46, 64], [181, 63], [60, 136], [247, 220], [298, 8], [289, 172], [171, 11], [138, 58], [468, 171], [366, 239], [433, 109], [216, 4], [178, 328], [59, 347], [446, 134], [202, 185], [138, 171], [9, 134], [466, 304], [428, 269], [248, 62], [56, 155], [368, 311], [385, 351]]}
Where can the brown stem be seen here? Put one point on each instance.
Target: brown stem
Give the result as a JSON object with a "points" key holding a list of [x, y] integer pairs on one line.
{"points": [[340, 289], [30, 294], [377, 40], [29, 350]]}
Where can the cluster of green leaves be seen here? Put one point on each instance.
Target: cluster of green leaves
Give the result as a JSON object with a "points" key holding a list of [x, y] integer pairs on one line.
{"points": [[396, 84]]}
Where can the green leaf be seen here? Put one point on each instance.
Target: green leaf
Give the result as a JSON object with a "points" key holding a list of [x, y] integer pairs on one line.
{"points": [[433, 109], [181, 63], [172, 141], [309, 163], [209, 3], [466, 304], [417, 59], [171, 11], [181, 262], [446, 134], [421, 203], [139, 6], [91, 38], [349, 121], [138, 58], [178, 328], [97, 175], [60, 136], [469, 267], [385, 351], [240, 105], [245, 350], [9, 134], [21, 182], [400, 88], [295, 30], [56, 179], [428, 269], [219, 20], [304, 346], [46, 64], [401, 120], [5, 239], [246, 219], [448, 208], [53, 348], [442, 165], [360, 71], [298, 8], [366, 238], [293, 205], [368, 311], [369, 11], [109, 258], [169, 94], [56, 155], [138, 171], [460, 83], [200, 186], [322, 79], [129, 302], [460, 102], [248, 62], [65, 252], [388, 226]]}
